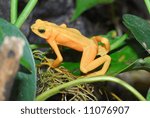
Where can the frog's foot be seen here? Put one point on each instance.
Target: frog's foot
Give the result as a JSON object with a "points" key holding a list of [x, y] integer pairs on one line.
{"points": [[89, 63], [102, 51], [103, 70], [48, 62]]}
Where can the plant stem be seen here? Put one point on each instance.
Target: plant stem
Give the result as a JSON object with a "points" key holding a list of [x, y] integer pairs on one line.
{"points": [[25, 13], [59, 88], [147, 2], [119, 42], [14, 11]]}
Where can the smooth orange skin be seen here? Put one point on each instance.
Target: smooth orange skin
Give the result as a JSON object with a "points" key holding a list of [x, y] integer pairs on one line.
{"points": [[62, 35]]}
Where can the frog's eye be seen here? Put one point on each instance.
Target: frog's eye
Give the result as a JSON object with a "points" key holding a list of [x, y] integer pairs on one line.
{"points": [[41, 30]]}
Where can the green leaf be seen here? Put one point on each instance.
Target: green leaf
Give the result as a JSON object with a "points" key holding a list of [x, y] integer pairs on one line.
{"points": [[147, 2], [25, 83], [140, 29], [121, 60], [73, 67], [148, 95], [83, 5], [25, 64], [143, 64], [117, 42]]}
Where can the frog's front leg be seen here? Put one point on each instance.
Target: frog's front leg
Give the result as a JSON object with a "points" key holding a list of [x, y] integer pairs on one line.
{"points": [[89, 63], [59, 58]]}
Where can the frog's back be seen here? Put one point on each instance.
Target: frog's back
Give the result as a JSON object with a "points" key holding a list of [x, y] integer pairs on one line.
{"points": [[68, 34], [72, 33], [70, 37]]}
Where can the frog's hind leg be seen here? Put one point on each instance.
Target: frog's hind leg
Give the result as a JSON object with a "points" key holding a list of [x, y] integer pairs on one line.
{"points": [[89, 63]]}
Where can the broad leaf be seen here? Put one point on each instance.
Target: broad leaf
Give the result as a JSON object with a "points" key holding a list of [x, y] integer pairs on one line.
{"points": [[121, 60], [25, 82], [25, 64], [141, 64], [73, 67], [83, 5], [140, 29], [148, 95]]}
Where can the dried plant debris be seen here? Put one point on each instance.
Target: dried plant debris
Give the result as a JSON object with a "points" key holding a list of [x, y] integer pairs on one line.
{"points": [[49, 78], [10, 52]]}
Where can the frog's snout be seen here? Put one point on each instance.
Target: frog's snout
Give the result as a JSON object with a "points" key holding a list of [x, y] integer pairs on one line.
{"points": [[32, 27]]}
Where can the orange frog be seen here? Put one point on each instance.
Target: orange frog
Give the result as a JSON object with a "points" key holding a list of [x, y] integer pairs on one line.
{"points": [[62, 35]]}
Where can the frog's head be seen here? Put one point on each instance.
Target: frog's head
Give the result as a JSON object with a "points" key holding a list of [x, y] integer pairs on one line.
{"points": [[41, 28]]}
